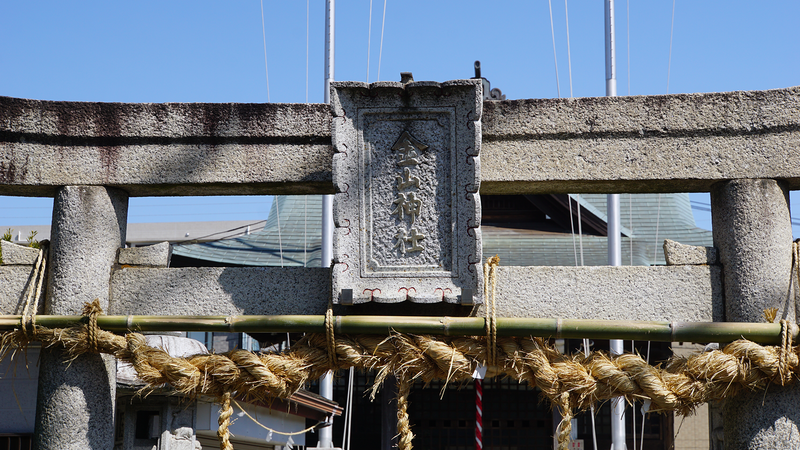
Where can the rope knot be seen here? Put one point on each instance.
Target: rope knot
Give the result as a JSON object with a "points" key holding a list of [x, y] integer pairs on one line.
{"points": [[331, 339], [92, 310]]}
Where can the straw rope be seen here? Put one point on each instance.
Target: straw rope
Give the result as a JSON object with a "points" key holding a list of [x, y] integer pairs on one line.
{"points": [[92, 310], [225, 413], [569, 381], [564, 428], [796, 264], [403, 427], [329, 334], [29, 316], [489, 289]]}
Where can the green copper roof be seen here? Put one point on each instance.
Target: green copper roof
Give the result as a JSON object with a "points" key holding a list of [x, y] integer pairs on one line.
{"points": [[647, 218], [297, 242]]}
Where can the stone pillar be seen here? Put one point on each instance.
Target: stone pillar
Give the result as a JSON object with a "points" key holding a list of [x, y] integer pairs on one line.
{"points": [[75, 404], [753, 233]]}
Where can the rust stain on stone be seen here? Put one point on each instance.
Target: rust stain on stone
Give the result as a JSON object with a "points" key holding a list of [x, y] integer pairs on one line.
{"points": [[10, 173], [107, 120]]}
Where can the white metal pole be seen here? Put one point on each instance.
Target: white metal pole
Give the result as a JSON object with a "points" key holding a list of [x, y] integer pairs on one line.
{"points": [[326, 382], [614, 242], [327, 200]]}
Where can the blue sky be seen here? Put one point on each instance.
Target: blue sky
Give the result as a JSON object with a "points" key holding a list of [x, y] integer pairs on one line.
{"points": [[199, 51]]}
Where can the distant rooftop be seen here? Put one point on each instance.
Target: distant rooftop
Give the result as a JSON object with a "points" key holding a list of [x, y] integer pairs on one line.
{"points": [[139, 234], [647, 219], [296, 242]]}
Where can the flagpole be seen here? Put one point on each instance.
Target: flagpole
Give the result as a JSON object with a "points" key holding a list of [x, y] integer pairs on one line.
{"points": [[613, 215], [326, 382]]}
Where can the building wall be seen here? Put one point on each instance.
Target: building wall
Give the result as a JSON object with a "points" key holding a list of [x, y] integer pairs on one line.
{"points": [[19, 377], [691, 432]]}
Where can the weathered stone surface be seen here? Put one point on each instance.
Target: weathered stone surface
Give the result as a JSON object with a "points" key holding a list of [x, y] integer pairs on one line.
{"points": [[753, 232], [662, 143], [674, 293], [165, 149], [672, 143], [677, 254], [14, 254], [759, 421], [75, 401], [156, 255], [680, 293], [13, 282], [88, 229], [220, 291], [407, 173]]}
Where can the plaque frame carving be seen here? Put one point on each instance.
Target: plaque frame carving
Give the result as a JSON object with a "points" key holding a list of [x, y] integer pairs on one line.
{"points": [[406, 170]]}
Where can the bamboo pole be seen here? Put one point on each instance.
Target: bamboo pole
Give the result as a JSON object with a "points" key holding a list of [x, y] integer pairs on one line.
{"points": [[763, 333]]}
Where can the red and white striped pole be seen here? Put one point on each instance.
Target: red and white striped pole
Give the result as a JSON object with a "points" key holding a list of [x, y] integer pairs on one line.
{"points": [[478, 414]]}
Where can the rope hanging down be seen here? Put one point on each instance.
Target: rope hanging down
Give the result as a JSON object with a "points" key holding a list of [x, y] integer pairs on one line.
{"points": [[29, 315], [572, 382]]}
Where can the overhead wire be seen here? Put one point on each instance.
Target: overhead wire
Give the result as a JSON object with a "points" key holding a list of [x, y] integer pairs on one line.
{"points": [[131, 217], [572, 228], [348, 418], [577, 196], [586, 351], [658, 222], [555, 57], [369, 37], [380, 51], [669, 67], [264, 35], [203, 238], [278, 216], [641, 445], [707, 207]]}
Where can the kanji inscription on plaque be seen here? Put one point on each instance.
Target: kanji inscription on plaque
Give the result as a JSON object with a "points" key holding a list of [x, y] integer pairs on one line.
{"points": [[407, 210]]}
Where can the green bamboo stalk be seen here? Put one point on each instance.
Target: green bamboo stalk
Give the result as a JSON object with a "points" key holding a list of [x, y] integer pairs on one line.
{"points": [[764, 333]]}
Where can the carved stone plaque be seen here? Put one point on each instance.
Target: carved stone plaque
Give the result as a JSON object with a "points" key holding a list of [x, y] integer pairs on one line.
{"points": [[407, 209]]}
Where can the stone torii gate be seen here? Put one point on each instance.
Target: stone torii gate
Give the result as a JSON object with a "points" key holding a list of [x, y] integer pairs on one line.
{"points": [[742, 147]]}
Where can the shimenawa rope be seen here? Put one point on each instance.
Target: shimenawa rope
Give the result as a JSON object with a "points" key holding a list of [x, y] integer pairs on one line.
{"points": [[569, 381]]}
